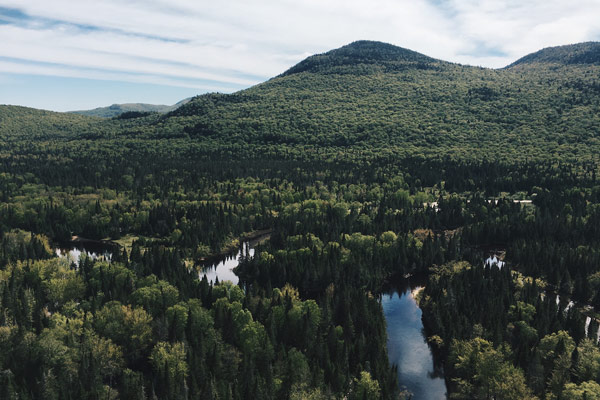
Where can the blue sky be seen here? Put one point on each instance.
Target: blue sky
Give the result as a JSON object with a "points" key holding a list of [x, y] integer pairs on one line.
{"points": [[68, 55]]}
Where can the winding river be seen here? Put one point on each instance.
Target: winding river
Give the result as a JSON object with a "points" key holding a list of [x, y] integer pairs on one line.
{"points": [[407, 347]]}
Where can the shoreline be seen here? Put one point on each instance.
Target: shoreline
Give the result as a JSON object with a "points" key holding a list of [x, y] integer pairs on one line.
{"points": [[253, 238]]}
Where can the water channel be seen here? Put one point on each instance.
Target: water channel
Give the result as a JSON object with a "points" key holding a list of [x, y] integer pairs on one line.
{"points": [[407, 346]]}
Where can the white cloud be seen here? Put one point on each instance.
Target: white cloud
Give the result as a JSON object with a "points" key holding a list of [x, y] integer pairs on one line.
{"points": [[517, 28], [237, 43], [131, 55], [69, 72]]}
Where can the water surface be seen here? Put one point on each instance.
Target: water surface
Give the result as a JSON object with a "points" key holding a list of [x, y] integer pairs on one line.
{"points": [[96, 251], [407, 347], [223, 269]]}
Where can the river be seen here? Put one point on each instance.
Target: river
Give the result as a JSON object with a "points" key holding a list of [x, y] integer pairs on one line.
{"points": [[407, 347]]}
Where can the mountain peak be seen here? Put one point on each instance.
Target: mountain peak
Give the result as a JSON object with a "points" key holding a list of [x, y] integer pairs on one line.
{"points": [[580, 53], [362, 52], [374, 49]]}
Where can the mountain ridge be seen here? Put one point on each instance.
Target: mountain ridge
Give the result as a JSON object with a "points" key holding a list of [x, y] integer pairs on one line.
{"points": [[408, 102], [116, 110], [367, 56]]}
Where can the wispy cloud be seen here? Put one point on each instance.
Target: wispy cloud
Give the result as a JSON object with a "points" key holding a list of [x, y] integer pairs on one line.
{"points": [[233, 44]]}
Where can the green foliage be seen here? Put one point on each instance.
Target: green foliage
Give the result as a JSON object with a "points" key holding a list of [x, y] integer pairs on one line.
{"points": [[587, 365], [366, 387], [169, 362], [483, 372], [589, 390]]}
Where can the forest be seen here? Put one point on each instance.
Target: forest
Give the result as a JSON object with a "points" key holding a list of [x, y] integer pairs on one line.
{"points": [[364, 165]]}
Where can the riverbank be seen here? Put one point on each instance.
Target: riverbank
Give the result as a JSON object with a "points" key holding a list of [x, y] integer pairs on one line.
{"points": [[85, 241]]}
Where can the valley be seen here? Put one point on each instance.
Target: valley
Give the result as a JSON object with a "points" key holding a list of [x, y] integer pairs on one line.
{"points": [[362, 165]]}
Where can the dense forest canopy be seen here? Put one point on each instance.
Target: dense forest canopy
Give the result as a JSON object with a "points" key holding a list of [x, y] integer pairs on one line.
{"points": [[364, 164]]}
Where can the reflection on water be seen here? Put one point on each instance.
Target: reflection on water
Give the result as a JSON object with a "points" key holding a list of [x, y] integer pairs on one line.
{"points": [[73, 253], [407, 347], [224, 268]]}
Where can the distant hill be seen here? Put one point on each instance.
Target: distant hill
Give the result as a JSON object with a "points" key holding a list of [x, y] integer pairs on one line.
{"points": [[581, 53], [118, 109], [24, 123]]}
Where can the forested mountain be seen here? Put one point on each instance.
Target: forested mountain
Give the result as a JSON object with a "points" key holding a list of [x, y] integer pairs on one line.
{"points": [[382, 99], [364, 164], [133, 108], [375, 96]]}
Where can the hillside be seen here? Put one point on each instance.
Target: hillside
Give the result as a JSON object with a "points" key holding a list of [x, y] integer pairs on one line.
{"points": [[118, 109], [408, 104], [25, 124]]}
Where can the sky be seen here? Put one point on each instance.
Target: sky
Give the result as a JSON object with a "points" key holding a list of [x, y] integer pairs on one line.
{"points": [[79, 54]]}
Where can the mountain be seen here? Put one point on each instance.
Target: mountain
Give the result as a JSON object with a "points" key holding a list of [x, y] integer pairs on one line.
{"points": [[376, 97], [118, 109], [581, 53], [376, 100], [23, 123]]}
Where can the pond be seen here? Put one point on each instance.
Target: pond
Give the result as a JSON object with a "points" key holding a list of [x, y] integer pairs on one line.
{"points": [[407, 346]]}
